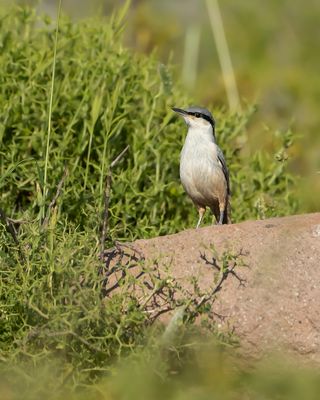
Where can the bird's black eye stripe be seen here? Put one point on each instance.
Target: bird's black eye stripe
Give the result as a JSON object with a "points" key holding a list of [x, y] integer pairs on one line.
{"points": [[196, 114], [200, 115]]}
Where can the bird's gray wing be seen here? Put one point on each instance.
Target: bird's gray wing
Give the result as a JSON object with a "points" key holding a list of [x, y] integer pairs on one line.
{"points": [[224, 168]]}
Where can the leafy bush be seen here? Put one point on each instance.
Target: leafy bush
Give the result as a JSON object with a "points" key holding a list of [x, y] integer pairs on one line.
{"points": [[105, 98]]}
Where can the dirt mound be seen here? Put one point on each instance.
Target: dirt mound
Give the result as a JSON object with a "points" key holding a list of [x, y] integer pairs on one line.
{"points": [[278, 307]]}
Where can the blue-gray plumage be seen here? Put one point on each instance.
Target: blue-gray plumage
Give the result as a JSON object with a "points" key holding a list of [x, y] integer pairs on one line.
{"points": [[203, 169]]}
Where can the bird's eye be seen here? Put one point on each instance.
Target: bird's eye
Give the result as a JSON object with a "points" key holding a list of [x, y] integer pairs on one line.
{"points": [[197, 115]]}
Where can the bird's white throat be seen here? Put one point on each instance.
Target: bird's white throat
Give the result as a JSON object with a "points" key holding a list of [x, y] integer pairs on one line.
{"points": [[197, 135]]}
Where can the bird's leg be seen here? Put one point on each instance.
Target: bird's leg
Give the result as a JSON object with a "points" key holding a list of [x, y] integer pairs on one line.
{"points": [[201, 212], [222, 211], [221, 217], [215, 213]]}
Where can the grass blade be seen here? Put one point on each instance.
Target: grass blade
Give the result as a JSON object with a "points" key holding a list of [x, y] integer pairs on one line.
{"points": [[50, 112]]}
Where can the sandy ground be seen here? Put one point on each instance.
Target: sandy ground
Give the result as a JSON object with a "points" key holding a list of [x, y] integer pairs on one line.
{"points": [[278, 307]]}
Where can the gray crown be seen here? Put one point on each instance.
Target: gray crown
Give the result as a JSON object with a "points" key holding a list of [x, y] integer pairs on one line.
{"points": [[204, 111]]}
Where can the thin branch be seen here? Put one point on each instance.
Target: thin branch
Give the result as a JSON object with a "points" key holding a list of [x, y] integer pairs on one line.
{"points": [[151, 296], [116, 255], [38, 311], [224, 274], [216, 289], [119, 157], [119, 246], [107, 192]]}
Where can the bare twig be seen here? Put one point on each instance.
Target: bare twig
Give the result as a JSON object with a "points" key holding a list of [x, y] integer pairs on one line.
{"points": [[151, 295], [107, 191], [216, 289], [224, 274], [56, 196], [120, 245], [116, 256], [161, 295]]}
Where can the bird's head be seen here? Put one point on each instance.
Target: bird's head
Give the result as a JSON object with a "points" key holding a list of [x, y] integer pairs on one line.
{"points": [[196, 117]]}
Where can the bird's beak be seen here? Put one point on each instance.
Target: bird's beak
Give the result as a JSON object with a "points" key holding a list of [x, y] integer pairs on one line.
{"points": [[180, 111]]}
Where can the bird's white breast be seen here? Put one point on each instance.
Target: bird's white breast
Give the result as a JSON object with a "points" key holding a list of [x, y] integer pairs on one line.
{"points": [[200, 170]]}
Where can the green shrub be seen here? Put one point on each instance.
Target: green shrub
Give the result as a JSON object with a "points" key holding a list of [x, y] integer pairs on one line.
{"points": [[106, 97]]}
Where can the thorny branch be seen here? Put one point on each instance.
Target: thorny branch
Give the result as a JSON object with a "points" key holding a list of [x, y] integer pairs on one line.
{"points": [[116, 260], [224, 273], [107, 191], [156, 294]]}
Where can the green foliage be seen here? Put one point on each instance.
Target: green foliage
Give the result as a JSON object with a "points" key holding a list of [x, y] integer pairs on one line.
{"points": [[209, 372], [52, 303], [60, 301], [261, 185], [104, 98]]}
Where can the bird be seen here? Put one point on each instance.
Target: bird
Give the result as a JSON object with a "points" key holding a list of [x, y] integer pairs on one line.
{"points": [[203, 169]]}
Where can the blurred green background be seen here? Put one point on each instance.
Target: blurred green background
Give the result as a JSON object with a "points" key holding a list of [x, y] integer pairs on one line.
{"points": [[273, 47]]}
